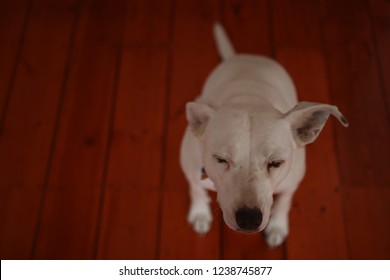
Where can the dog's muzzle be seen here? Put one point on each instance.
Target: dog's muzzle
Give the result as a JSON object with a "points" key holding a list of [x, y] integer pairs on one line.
{"points": [[249, 219]]}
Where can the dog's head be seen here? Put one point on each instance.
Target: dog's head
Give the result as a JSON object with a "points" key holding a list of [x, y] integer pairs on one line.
{"points": [[247, 152]]}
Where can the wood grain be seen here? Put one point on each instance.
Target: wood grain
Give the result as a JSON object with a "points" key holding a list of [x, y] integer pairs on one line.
{"points": [[147, 22], [248, 25], [30, 121], [296, 24], [76, 178], [366, 209], [13, 21], [129, 224], [380, 20], [356, 88], [135, 159]]}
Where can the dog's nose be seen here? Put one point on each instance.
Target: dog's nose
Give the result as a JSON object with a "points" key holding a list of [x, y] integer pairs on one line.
{"points": [[249, 218]]}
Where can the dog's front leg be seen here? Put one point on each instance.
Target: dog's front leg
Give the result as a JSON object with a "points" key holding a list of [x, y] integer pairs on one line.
{"points": [[277, 228], [200, 213]]}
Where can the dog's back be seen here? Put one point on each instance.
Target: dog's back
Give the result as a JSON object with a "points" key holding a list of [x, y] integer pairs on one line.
{"points": [[237, 72]]}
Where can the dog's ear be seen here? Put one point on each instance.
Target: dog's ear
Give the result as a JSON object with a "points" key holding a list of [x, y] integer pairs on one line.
{"points": [[198, 115], [307, 120]]}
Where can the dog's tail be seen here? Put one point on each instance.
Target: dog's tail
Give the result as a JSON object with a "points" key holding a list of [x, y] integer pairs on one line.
{"points": [[225, 47]]}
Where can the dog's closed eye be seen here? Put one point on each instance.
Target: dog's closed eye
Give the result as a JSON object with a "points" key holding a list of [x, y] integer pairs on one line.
{"points": [[274, 164], [222, 161]]}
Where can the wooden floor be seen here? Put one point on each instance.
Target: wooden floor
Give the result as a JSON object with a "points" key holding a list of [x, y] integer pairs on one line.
{"points": [[92, 98]]}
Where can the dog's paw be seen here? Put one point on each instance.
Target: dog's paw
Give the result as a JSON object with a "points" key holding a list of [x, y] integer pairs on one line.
{"points": [[275, 237], [276, 233], [200, 218]]}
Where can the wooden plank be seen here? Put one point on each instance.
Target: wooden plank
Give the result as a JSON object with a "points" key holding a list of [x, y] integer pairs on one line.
{"points": [[135, 155], [316, 218], [380, 18], [296, 23], [379, 8], [355, 87], [130, 215], [13, 16], [247, 23], [129, 224], [134, 170], [178, 239], [367, 222], [70, 211], [239, 246], [147, 22], [28, 127], [142, 90], [18, 217], [8, 56], [367, 207], [193, 57]]}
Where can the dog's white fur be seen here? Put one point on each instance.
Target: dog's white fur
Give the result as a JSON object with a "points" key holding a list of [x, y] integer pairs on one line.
{"points": [[245, 124]]}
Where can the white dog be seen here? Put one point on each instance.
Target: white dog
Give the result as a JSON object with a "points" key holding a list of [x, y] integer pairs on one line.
{"points": [[247, 133]]}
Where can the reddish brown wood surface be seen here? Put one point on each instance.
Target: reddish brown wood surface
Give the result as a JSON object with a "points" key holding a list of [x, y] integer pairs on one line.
{"points": [[147, 22], [353, 69], [13, 21], [76, 179], [134, 170], [132, 199], [367, 227], [28, 126], [92, 99], [380, 18]]}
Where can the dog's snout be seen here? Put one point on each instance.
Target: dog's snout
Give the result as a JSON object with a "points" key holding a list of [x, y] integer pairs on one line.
{"points": [[249, 219]]}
